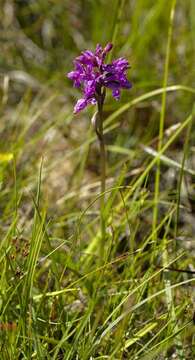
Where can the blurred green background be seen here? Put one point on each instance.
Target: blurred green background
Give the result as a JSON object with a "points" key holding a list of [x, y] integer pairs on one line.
{"points": [[42, 37]]}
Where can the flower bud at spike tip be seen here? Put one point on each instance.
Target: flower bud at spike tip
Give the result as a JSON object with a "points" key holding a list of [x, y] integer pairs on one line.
{"points": [[108, 47]]}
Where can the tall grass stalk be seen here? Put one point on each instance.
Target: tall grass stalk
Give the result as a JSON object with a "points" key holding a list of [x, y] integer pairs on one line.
{"points": [[162, 117], [169, 295]]}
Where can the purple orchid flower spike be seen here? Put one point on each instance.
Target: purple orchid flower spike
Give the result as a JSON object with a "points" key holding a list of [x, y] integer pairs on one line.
{"points": [[93, 75]]}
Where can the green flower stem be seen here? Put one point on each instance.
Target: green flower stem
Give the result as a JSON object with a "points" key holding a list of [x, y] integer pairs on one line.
{"points": [[100, 134]]}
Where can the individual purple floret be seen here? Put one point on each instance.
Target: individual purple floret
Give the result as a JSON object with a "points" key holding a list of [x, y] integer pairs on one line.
{"points": [[93, 75]]}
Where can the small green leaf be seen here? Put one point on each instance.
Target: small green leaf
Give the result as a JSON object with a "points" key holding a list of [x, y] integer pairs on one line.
{"points": [[140, 334]]}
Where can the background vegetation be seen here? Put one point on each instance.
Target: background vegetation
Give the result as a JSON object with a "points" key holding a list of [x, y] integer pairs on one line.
{"points": [[58, 299]]}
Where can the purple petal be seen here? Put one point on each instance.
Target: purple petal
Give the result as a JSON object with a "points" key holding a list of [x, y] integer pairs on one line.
{"points": [[98, 50], [121, 64], [89, 88], [108, 67], [92, 101], [76, 76], [80, 105], [72, 75], [87, 58], [78, 66], [113, 84], [88, 53], [116, 94], [126, 84]]}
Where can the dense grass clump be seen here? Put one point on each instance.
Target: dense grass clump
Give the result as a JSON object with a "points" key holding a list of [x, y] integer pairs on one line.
{"points": [[59, 298]]}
